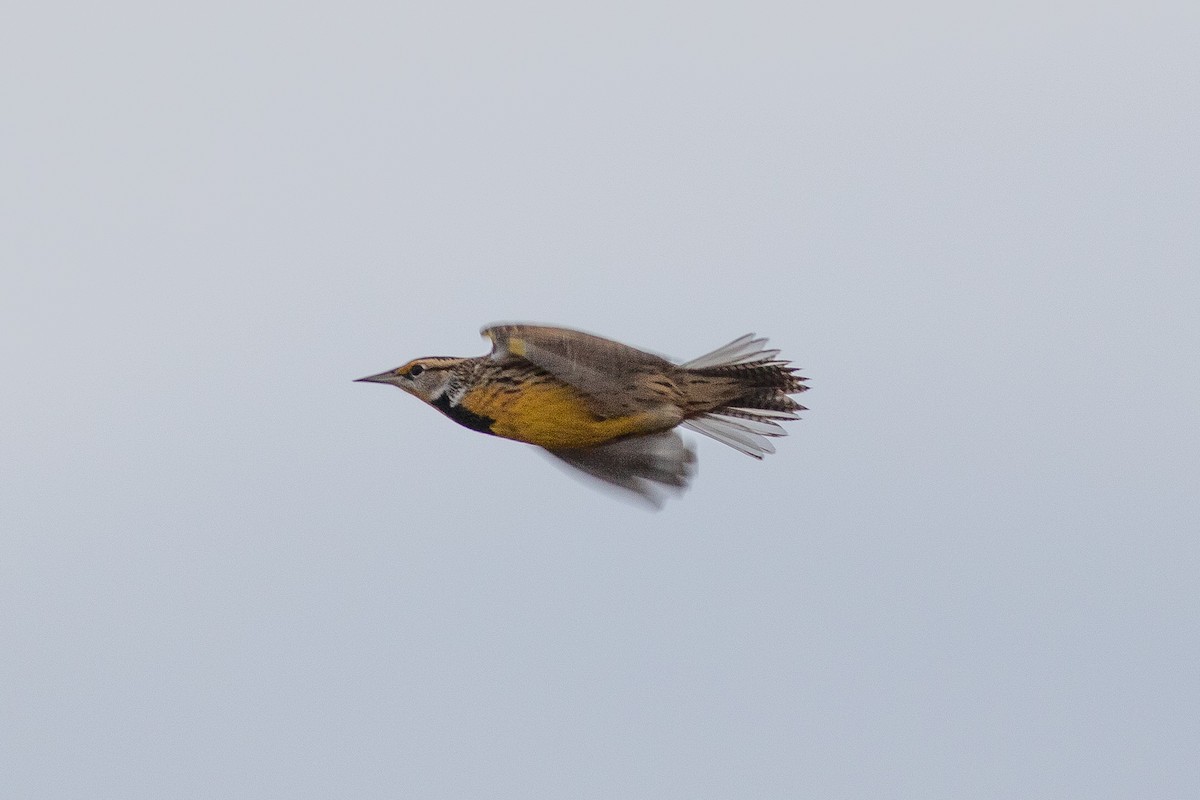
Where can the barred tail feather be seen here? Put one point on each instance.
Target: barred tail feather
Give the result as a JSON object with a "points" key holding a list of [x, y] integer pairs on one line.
{"points": [[763, 383], [743, 350]]}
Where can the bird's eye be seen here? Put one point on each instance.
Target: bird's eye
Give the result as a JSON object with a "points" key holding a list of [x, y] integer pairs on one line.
{"points": [[415, 370]]}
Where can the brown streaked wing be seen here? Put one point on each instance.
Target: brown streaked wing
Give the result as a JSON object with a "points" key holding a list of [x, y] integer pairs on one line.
{"points": [[648, 467], [601, 368]]}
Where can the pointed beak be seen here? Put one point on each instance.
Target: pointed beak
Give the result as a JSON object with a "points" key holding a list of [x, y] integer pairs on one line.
{"points": [[383, 377]]}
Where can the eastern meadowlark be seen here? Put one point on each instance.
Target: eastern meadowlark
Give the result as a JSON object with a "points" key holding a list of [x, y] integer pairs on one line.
{"points": [[608, 409]]}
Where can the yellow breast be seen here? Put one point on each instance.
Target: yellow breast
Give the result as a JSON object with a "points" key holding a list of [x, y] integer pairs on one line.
{"points": [[552, 415]]}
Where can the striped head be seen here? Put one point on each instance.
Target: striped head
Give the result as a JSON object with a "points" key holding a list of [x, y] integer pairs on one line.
{"points": [[425, 378]]}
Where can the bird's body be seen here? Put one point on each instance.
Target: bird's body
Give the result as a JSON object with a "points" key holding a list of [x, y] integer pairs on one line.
{"points": [[607, 408], [541, 410]]}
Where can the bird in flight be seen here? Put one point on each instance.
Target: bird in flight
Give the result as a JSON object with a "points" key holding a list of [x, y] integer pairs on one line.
{"points": [[607, 409]]}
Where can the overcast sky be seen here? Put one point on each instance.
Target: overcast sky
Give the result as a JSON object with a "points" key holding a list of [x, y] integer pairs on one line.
{"points": [[228, 571]]}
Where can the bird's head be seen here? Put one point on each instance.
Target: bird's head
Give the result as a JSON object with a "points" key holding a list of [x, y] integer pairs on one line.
{"points": [[425, 378]]}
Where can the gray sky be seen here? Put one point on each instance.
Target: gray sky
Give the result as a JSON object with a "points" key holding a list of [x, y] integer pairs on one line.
{"points": [[971, 571]]}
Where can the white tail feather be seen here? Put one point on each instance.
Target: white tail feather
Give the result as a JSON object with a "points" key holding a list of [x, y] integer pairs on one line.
{"points": [[736, 433], [743, 350], [762, 427]]}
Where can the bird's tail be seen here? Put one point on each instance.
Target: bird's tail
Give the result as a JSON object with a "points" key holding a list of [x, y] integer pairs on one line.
{"points": [[741, 394]]}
